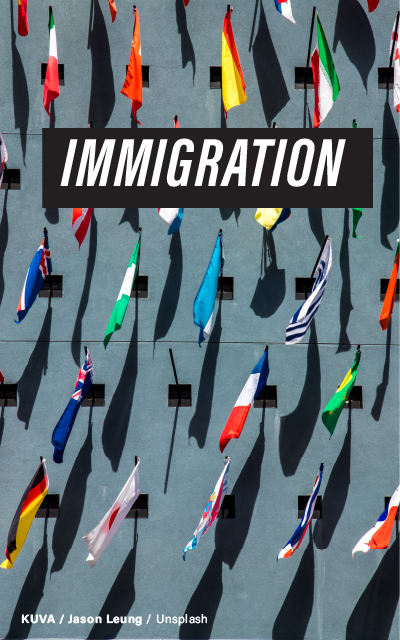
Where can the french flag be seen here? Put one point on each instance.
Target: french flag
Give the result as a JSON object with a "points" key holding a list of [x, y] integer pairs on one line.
{"points": [[379, 536], [283, 6], [250, 391], [173, 217], [80, 223], [297, 537], [39, 268]]}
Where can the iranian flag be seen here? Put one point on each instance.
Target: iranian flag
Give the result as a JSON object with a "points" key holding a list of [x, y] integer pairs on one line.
{"points": [[326, 82], [118, 313], [51, 89]]}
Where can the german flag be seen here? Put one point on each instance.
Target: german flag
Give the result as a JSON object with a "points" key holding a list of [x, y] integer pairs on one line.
{"points": [[27, 508], [233, 86]]}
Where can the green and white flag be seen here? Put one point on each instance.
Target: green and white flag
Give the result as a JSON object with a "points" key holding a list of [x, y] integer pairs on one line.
{"points": [[326, 82], [118, 313], [333, 409]]}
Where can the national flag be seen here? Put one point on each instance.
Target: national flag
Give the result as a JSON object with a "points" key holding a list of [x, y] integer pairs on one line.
{"points": [[203, 307], [357, 213], [301, 320], [132, 88], [333, 409], [51, 89], [233, 86], [113, 10], [176, 122], [80, 223], [372, 4], [118, 313], [30, 502], [297, 537], [396, 71], [64, 426], [39, 268], [379, 536], [394, 35], [270, 218], [186, 2], [23, 25], [3, 157], [388, 303], [212, 508], [1, 378], [250, 391], [100, 537], [326, 82], [173, 217], [284, 7]]}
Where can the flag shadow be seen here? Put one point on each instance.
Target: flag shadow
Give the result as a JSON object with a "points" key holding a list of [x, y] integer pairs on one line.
{"points": [[20, 89], [102, 93], [31, 593], [227, 212], [29, 383], [77, 332], [317, 224], [3, 243], [381, 388], [390, 189], [346, 306], [131, 216], [170, 295], [271, 287], [73, 500], [186, 42], [297, 427]]}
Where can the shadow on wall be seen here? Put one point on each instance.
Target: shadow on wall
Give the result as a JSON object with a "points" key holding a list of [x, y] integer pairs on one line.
{"points": [[20, 89], [317, 225], [381, 388], [271, 287], [186, 42], [131, 216], [390, 189], [170, 295], [198, 427], [230, 536], [297, 427], [73, 500], [271, 83], [354, 32], [373, 615], [337, 488], [345, 296], [227, 212], [31, 593], [29, 383], [3, 243], [171, 449], [295, 613], [77, 332], [102, 94], [118, 415]]}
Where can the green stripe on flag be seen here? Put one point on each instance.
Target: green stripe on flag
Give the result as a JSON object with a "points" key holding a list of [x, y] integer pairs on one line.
{"points": [[357, 213], [326, 60], [51, 20], [333, 409]]}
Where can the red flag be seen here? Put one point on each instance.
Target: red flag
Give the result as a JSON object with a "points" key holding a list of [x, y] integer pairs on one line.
{"points": [[51, 89], [388, 303], [133, 82], [176, 122], [113, 9], [372, 4], [80, 223], [23, 26]]}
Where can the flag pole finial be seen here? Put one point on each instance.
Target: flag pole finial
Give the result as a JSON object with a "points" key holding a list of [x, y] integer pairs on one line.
{"points": [[45, 230], [140, 229], [358, 347], [274, 126], [85, 347], [266, 348], [229, 8], [91, 124]]}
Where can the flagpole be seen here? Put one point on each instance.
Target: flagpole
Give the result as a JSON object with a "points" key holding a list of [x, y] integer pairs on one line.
{"points": [[85, 347], [309, 46], [175, 119], [393, 47], [175, 375], [354, 123], [316, 265]]}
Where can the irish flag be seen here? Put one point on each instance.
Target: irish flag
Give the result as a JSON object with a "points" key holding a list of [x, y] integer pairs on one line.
{"points": [[51, 89], [118, 313], [233, 86], [326, 82]]}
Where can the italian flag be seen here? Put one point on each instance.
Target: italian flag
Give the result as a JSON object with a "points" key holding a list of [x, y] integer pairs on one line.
{"points": [[51, 89], [326, 82], [118, 313]]}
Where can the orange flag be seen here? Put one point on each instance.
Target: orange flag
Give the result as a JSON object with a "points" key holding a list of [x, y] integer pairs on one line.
{"points": [[23, 26], [113, 9], [233, 86], [133, 82], [176, 122], [390, 296]]}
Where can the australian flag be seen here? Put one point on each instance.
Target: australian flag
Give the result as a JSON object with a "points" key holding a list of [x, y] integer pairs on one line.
{"points": [[64, 426], [39, 268]]}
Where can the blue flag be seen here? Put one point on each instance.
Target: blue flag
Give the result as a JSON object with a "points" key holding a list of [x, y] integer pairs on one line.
{"points": [[203, 307], [39, 268], [64, 426]]}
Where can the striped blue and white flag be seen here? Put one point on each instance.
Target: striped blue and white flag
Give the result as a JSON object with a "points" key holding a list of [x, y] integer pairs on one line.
{"points": [[173, 217], [203, 307], [283, 6], [297, 537], [301, 320]]}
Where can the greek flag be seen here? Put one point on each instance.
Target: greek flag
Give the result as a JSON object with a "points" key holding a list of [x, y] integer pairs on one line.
{"points": [[301, 320]]}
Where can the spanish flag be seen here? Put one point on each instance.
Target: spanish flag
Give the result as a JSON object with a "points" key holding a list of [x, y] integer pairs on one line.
{"points": [[133, 82], [23, 26], [24, 515], [388, 304], [233, 86]]}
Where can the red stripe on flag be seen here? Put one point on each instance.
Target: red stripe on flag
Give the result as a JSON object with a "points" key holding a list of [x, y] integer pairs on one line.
{"points": [[35, 492], [381, 537], [315, 72], [372, 4], [51, 89], [23, 25], [228, 33], [112, 518], [234, 426]]}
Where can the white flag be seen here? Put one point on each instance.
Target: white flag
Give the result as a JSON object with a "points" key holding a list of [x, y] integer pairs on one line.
{"points": [[101, 536]]}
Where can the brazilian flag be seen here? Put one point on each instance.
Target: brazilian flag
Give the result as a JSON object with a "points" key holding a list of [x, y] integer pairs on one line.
{"points": [[333, 409]]}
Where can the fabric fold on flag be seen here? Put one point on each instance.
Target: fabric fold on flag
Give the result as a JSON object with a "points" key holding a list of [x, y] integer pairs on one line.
{"points": [[173, 217], [357, 213], [390, 297], [212, 508], [270, 218], [301, 320], [333, 409], [326, 81], [100, 537], [132, 88], [51, 89], [297, 537], [233, 86], [372, 4], [80, 223], [64, 426], [23, 25], [203, 307], [3, 157], [379, 536], [30, 502], [285, 9], [118, 313], [113, 10], [240, 411], [39, 268]]}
